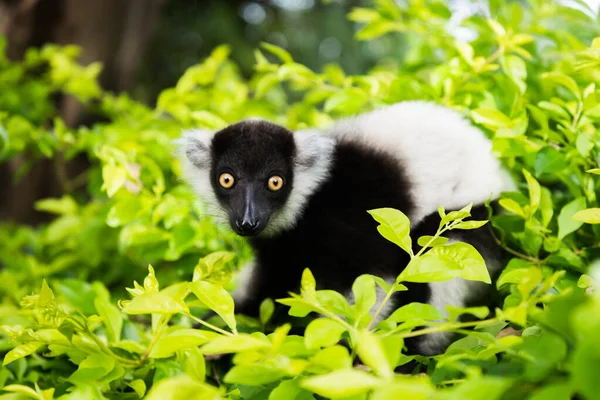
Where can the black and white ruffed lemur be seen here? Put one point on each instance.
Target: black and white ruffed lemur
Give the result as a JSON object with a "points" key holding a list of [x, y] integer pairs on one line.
{"points": [[302, 199]]}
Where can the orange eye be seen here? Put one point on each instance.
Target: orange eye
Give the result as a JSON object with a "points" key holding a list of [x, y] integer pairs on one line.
{"points": [[226, 180], [275, 183]]}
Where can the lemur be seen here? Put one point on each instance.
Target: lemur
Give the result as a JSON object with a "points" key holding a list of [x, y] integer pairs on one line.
{"points": [[302, 199]]}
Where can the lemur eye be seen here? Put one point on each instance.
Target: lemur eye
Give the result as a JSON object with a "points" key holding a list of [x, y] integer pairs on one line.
{"points": [[226, 180], [275, 183]]}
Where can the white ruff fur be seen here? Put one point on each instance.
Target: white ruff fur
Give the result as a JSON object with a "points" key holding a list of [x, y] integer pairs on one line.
{"points": [[194, 152], [244, 282], [311, 169], [448, 161]]}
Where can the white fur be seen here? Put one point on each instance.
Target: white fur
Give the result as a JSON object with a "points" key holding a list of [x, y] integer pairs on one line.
{"points": [[194, 152], [311, 168], [448, 161], [245, 279]]}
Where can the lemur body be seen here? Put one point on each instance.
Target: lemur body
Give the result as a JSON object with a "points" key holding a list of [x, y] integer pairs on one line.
{"points": [[303, 198]]}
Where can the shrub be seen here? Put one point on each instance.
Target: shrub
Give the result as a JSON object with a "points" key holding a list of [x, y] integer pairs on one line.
{"points": [[528, 78]]}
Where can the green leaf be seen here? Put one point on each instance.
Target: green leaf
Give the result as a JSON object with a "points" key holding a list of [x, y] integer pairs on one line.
{"points": [[139, 386], [394, 226], [545, 350], [435, 241], [217, 299], [588, 216], [332, 358], [208, 120], [516, 69], [214, 262], [283, 55], [584, 281], [470, 224], [365, 295], [182, 388], [323, 332], [347, 101], [96, 368], [512, 206], [21, 351], [114, 178], [556, 391], [46, 295], [546, 207], [63, 206], [446, 262], [408, 387], [535, 192], [563, 80], [479, 388], [234, 344], [308, 285], [266, 83], [455, 312], [193, 363], [550, 161], [22, 389], [585, 363], [372, 353], [267, 307], [455, 215], [335, 302], [289, 389], [359, 14], [180, 339], [153, 303], [584, 144], [341, 383], [566, 223], [491, 118], [377, 28], [253, 375], [111, 316], [416, 311]]}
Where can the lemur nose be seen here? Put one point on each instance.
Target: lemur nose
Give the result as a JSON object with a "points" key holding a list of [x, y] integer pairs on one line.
{"points": [[247, 226]]}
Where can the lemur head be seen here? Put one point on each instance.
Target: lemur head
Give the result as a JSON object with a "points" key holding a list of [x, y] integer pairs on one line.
{"points": [[255, 174]]}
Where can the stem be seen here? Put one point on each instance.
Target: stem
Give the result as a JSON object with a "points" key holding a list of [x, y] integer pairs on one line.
{"points": [[104, 348], [331, 315], [161, 326], [209, 325], [515, 253], [445, 328]]}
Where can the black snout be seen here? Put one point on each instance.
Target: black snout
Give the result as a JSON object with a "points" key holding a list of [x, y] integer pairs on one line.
{"points": [[253, 218], [248, 227]]}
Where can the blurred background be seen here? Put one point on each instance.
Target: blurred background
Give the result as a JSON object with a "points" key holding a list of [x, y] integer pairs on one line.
{"points": [[146, 45]]}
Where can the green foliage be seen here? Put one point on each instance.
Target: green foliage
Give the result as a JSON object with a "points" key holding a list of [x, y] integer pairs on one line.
{"points": [[528, 80]]}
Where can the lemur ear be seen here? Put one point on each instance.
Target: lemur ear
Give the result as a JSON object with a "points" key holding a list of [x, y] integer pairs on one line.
{"points": [[313, 149], [195, 145]]}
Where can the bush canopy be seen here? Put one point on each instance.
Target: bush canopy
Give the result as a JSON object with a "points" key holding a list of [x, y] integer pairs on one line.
{"points": [[526, 75]]}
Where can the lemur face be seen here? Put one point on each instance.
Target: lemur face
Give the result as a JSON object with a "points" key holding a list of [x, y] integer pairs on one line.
{"points": [[252, 173], [256, 175]]}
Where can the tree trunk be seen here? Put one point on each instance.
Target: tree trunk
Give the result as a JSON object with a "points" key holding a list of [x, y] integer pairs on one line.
{"points": [[114, 32]]}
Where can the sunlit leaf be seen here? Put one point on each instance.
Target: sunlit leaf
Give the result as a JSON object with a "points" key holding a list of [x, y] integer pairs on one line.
{"points": [[341, 383], [217, 299]]}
